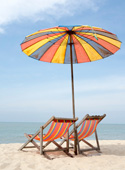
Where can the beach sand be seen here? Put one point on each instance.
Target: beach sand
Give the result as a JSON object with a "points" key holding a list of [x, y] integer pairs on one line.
{"points": [[111, 158]]}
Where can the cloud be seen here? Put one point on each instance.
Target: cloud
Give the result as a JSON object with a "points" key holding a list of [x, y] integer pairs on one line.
{"points": [[15, 10]]}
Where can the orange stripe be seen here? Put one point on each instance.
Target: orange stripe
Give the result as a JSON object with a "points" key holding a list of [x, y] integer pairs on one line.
{"points": [[49, 54], [66, 129], [95, 29], [82, 130], [63, 130], [95, 126], [90, 128], [85, 130], [102, 42], [56, 132], [35, 40], [63, 29], [59, 131], [53, 133], [80, 52], [50, 130]]}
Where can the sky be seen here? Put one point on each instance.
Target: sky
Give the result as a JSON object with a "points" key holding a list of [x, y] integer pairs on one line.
{"points": [[33, 91]]}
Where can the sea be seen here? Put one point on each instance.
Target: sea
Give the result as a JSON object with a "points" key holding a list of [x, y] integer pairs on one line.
{"points": [[13, 132]]}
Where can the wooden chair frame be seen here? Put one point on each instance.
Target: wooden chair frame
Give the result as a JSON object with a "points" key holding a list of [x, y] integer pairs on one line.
{"points": [[42, 146], [87, 117]]}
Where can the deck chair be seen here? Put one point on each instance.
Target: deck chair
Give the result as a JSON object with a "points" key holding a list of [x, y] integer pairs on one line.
{"points": [[85, 128], [58, 128]]}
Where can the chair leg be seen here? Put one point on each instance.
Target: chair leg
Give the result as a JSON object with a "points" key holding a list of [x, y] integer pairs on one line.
{"points": [[97, 141], [60, 147], [41, 141], [79, 151], [33, 142], [89, 144], [75, 142], [45, 145], [67, 143], [29, 140], [92, 147]]}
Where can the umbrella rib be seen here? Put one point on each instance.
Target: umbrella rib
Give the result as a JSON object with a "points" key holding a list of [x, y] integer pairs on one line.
{"points": [[104, 44], [108, 36], [97, 33], [60, 45], [89, 40], [97, 50], [91, 46], [82, 47], [52, 45], [56, 38]]}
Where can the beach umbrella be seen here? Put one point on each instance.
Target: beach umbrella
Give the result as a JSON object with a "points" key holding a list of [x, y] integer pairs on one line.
{"points": [[70, 45]]}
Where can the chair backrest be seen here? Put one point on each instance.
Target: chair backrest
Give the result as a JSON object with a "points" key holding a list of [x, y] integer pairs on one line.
{"points": [[58, 128], [88, 126]]}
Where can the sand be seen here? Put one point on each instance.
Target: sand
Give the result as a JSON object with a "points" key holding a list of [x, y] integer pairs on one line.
{"points": [[111, 158]]}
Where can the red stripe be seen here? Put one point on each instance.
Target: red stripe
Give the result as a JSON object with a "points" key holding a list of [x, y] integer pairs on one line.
{"points": [[90, 129], [80, 52], [95, 29], [53, 123], [103, 43], [55, 28], [58, 129], [64, 28], [35, 40], [63, 129], [49, 54], [94, 127], [36, 138], [51, 136], [85, 130]]}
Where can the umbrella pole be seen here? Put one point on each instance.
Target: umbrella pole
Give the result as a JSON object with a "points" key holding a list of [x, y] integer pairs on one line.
{"points": [[73, 101]]}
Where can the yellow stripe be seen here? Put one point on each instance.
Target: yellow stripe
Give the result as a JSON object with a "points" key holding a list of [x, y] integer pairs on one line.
{"points": [[37, 45], [93, 27], [91, 52], [110, 40], [95, 125], [75, 28], [46, 136], [85, 26], [65, 129], [82, 26], [88, 129], [53, 30], [60, 53], [61, 124]]}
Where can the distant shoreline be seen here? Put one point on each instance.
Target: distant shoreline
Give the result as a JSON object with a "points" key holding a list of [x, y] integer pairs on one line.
{"points": [[14, 132]]}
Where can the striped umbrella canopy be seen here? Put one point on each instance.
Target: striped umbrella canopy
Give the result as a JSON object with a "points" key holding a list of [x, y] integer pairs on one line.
{"points": [[69, 45]]}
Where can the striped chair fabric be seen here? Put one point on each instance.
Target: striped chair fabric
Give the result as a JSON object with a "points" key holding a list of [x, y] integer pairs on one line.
{"points": [[57, 129], [88, 127]]}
